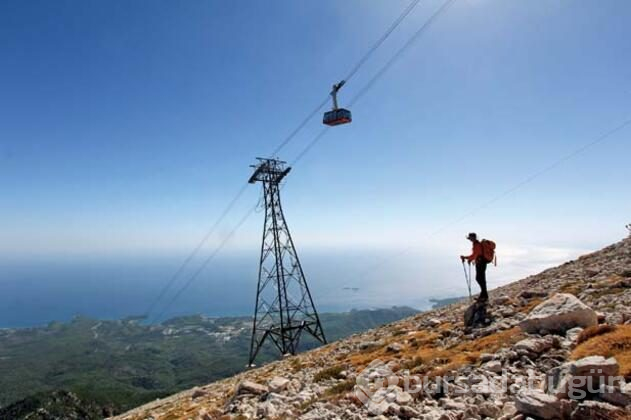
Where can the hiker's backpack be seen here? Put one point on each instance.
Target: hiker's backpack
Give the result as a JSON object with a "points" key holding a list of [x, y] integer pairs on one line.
{"points": [[488, 251]]}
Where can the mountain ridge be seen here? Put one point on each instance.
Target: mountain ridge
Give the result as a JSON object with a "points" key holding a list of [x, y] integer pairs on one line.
{"points": [[324, 383]]}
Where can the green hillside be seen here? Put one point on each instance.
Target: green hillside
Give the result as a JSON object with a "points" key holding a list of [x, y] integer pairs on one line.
{"points": [[121, 364]]}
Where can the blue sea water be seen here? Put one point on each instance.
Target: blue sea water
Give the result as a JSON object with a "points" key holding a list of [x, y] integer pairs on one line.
{"points": [[40, 290]]}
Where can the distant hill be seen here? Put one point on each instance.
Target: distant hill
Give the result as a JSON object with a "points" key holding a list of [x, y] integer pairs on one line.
{"points": [[439, 303], [121, 364]]}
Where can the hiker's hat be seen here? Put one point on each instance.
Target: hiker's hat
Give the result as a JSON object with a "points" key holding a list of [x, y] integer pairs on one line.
{"points": [[472, 236]]}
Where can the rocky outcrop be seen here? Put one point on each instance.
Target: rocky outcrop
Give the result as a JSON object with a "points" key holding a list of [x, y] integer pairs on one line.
{"points": [[518, 362], [558, 314], [575, 379]]}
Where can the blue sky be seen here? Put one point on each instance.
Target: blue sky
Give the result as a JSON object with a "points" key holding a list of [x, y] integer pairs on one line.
{"points": [[126, 127]]}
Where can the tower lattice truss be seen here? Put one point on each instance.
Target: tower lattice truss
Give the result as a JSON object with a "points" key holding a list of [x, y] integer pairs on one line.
{"points": [[284, 307]]}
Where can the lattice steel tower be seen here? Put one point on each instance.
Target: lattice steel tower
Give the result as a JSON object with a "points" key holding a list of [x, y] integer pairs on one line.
{"points": [[284, 307]]}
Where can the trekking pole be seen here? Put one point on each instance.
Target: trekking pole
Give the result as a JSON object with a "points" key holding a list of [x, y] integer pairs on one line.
{"points": [[467, 278], [470, 279]]}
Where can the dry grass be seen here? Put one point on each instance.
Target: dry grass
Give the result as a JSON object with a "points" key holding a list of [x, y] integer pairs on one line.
{"points": [[427, 358], [341, 388], [530, 305], [616, 343], [607, 291], [328, 373], [594, 331], [295, 364], [571, 288]]}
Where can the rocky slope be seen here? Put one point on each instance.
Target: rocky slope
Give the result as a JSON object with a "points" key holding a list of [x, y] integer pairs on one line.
{"points": [[553, 345]]}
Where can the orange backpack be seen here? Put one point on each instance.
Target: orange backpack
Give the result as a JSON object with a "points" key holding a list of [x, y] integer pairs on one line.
{"points": [[488, 251]]}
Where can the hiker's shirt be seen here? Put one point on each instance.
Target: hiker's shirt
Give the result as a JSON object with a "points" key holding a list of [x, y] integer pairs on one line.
{"points": [[476, 253]]}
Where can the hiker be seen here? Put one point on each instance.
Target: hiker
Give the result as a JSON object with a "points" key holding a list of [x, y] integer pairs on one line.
{"points": [[477, 256]]}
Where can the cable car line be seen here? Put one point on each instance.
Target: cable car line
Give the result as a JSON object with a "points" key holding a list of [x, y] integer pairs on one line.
{"points": [[350, 75], [381, 40], [196, 250], [300, 126], [278, 148], [321, 134], [601, 138], [208, 259], [422, 29]]}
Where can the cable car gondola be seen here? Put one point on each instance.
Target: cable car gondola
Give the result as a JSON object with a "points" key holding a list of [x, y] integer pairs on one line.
{"points": [[337, 116]]}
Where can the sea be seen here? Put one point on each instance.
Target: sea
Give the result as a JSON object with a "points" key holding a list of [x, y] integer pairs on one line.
{"points": [[37, 291]]}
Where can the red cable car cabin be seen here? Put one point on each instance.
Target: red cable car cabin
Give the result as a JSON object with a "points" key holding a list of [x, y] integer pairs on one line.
{"points": [[337, 116]]}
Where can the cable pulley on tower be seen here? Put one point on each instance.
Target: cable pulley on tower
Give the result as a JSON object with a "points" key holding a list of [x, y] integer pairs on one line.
{"points": [[337, 116]]}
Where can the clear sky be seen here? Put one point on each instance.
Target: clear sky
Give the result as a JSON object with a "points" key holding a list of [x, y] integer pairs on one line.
{"points": [[126, 127]]}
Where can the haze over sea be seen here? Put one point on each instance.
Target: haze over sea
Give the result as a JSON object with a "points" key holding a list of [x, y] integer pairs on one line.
{"points": [[35, 291]]}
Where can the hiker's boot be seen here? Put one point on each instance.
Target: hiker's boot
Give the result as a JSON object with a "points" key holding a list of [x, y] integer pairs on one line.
{"points": [[483, 297]]}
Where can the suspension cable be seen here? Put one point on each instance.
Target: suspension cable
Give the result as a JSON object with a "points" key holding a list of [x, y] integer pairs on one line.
{"points": [[195, 250], [351, 73], [207, 261], [426, 25], [278, 148], [599, 139], [381, 40]]}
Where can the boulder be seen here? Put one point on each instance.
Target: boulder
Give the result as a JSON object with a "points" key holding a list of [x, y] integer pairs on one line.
{"points": [[617, 395], [266, 410], [403, 398], [249, 387], [406, 412], [198, 393], [537, 403], [535, 345], [572, 334], [595, 410], [486, 357], [558, 314], [509, 410], [278, 384], [594, 366], [394, 347], [575, 379], [489, 409], [476, 315], [493, 366]]}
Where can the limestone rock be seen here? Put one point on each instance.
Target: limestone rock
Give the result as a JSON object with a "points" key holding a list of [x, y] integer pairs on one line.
{"points": [[489, 409], [365, 345], [595, 410], [278, 384], [594, 366], [249, 387], [535, 345], [394, 347], [558, 314], [572, 334], [537, 403], [587, 371], [406, 412], [617, 395], [493, 366]]}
